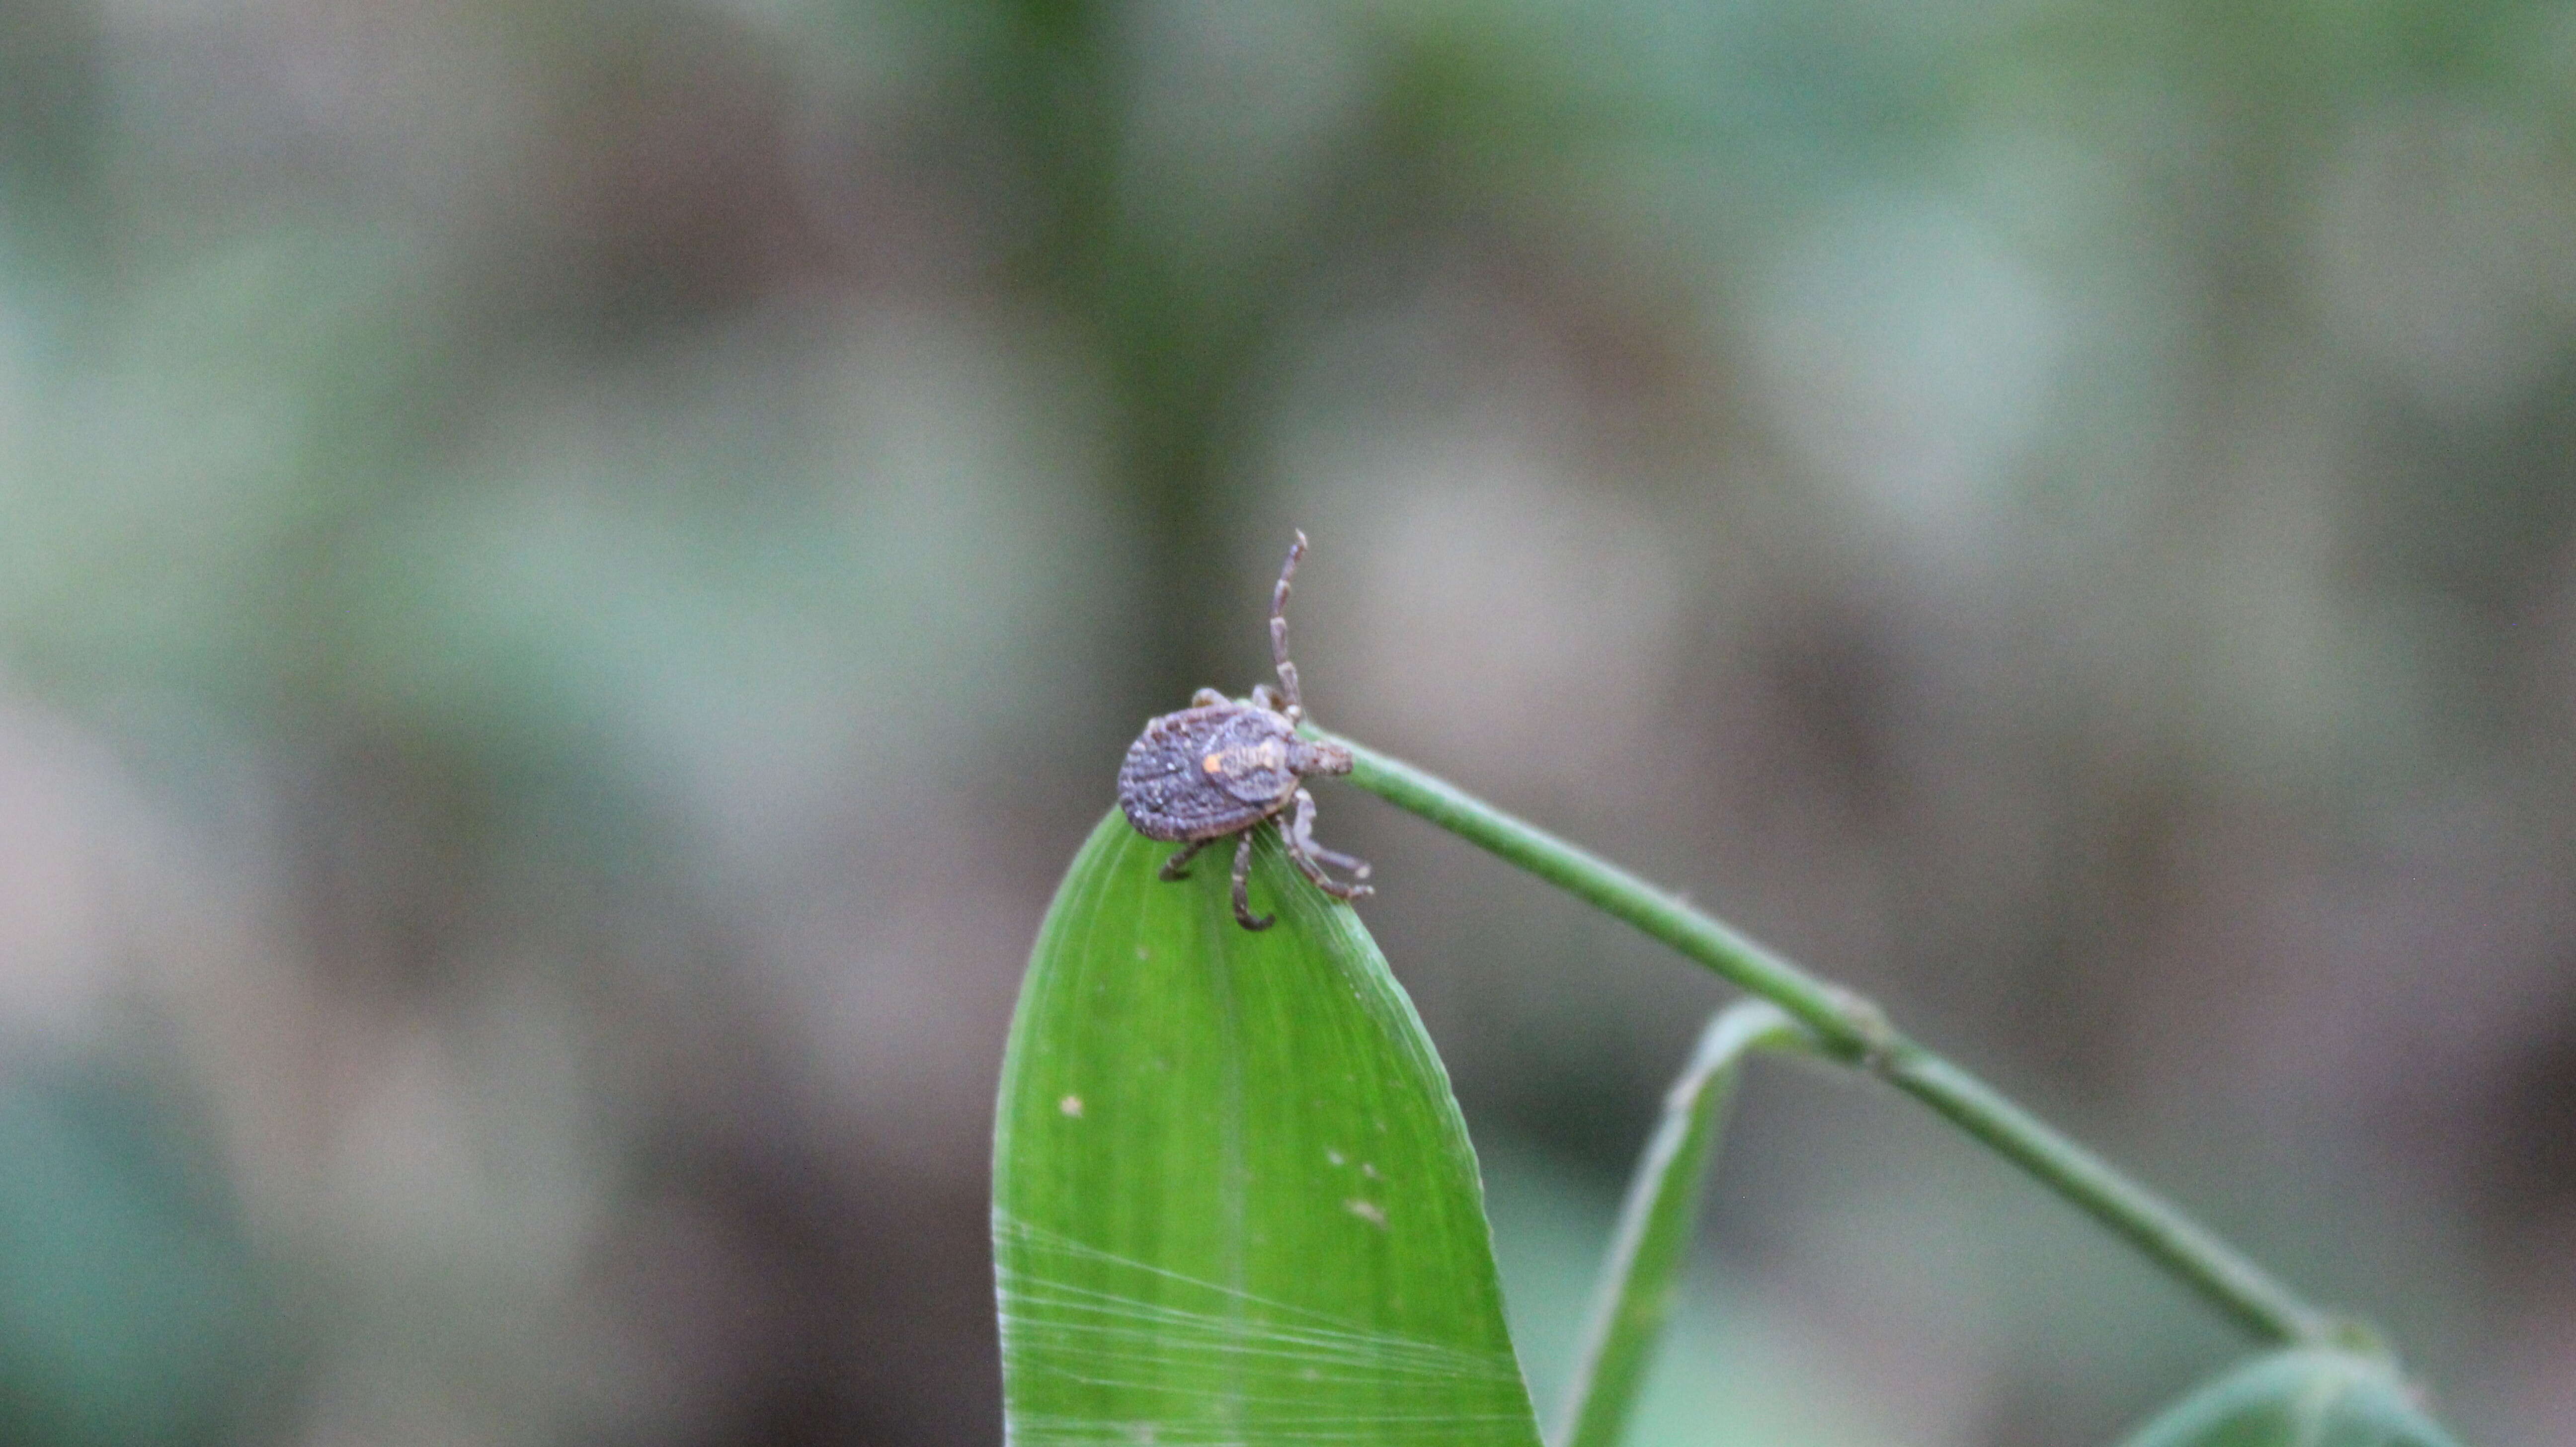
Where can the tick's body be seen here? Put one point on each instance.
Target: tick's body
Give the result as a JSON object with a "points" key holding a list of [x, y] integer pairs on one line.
{"points": [[1214, 770], [1222, 766]]}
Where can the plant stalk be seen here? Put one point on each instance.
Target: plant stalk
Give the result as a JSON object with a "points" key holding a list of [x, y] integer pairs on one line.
{"points": [[1853, 1030]]}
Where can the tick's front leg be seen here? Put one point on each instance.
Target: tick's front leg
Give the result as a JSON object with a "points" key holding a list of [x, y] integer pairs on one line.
{"points": [[1243, 914], [1311, 856], [1178, 866], [1358, 868]]}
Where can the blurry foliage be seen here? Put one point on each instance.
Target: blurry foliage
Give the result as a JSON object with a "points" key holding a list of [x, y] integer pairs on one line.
{"points": [[129, 1304], [2316, 1397]]}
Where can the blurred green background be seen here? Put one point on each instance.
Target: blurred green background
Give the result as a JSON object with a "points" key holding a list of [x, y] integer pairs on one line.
{"points": [[571, 573]]}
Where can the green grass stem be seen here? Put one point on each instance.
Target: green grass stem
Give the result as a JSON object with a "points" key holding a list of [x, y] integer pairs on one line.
{"points": [[1849, 1028]]}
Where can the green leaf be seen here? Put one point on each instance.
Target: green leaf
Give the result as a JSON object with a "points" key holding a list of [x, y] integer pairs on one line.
{"points": [[2308, 1397], [1652, 1244], [1233, 1201]]}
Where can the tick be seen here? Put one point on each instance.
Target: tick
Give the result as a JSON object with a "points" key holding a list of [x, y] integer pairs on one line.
{"points": [[1225, 766]]}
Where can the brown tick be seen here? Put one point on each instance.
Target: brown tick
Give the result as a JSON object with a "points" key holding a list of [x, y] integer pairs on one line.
{"points": [[1228, 765]]}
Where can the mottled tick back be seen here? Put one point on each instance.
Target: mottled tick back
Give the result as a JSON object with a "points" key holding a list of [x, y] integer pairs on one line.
{"points": [[1223, 766]]}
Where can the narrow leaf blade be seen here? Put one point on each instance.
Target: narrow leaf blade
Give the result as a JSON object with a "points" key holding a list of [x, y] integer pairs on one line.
{"points": [[2304, 1397], [1651, 1246], [1233, 1200]]}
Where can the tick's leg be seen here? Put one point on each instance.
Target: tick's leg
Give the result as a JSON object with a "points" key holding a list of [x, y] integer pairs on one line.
{"points": [[1296, 708], [1243, 914], [1178, 866], [1355, 868], [1206, 698], [1300, 838]]}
